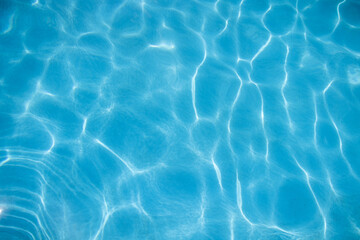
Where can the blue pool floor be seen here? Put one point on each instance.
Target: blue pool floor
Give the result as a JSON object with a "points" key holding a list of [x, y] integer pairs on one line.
{"points": [[188, 119]]}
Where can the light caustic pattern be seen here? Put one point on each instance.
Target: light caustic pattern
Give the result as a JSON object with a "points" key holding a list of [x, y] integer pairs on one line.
{"points": [[180, 119]]}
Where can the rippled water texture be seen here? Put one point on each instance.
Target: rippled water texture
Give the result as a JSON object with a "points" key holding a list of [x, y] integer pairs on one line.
{"points": [[188, 119]]}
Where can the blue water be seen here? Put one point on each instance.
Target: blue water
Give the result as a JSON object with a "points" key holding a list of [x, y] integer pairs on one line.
{"points": [[189, 119]]}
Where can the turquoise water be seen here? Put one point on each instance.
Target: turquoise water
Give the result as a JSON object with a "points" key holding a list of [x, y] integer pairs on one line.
{"points": [[192, 119]]}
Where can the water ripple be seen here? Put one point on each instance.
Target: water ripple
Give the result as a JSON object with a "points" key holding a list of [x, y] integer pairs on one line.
{"points": [[162, 119]]}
